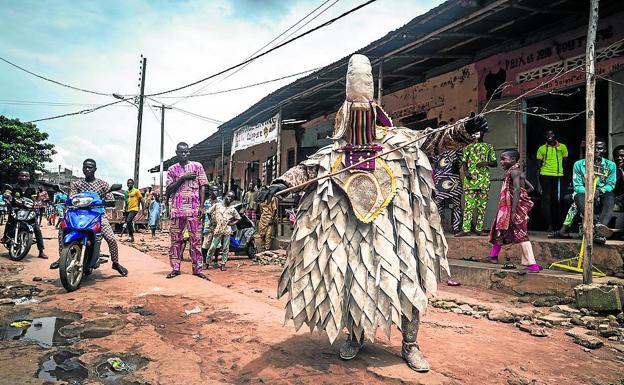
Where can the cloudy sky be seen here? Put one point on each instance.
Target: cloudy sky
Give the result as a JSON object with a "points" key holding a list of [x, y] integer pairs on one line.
{"points": [[97, 45]]}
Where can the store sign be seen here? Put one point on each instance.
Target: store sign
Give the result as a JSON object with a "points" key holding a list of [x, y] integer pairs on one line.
{"points": [[555, 63], [248, 136]]}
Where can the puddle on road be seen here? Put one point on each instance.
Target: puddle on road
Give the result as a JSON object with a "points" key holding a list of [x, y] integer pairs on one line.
{"points": [[63, 366], [44, 331], [108, 375]]}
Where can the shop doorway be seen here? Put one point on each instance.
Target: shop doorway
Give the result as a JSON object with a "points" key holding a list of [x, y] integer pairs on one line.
{"points": [[571, 133]]}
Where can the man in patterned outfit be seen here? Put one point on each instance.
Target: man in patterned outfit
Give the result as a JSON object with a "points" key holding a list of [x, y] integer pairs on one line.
{"points": [[266, 225], [92, 184], [186, 187], [367, 240], [477, 159], [448, 185]]}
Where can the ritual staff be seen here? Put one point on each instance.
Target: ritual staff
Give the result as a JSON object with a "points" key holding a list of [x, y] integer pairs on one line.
{"points": [[366, 241], [186, 183]]}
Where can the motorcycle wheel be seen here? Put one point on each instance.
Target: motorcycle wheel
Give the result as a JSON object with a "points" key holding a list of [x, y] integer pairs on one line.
{"points": [[18, 250], [251, 250], [71, 274]]}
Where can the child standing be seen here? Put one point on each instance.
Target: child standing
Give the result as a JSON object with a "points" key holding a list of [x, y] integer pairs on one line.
{"points": [[512, 218]]}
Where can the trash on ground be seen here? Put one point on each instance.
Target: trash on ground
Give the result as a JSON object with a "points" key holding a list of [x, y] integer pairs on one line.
{"points": [[19, 324], [117, 364], [194, 310]]}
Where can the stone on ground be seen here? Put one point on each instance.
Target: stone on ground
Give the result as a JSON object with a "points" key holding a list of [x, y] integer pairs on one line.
{"points": [[599, 297]]}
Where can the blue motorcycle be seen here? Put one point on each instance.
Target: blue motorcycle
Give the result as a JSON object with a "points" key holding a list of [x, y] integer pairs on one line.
{"points": [[81, 231]]}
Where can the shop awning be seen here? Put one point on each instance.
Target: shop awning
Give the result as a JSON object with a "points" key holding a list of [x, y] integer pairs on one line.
{"points": [[448, 37]]}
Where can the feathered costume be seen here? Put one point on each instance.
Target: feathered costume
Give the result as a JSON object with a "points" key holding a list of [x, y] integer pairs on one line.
{"points": [[364, 248]]}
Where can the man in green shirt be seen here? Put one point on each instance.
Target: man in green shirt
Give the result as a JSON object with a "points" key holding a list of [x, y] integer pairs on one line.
{"points": [[551, 161], [476, 161], [606, 172]]}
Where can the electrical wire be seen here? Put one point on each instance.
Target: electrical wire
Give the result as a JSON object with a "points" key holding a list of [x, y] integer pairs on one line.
{"points": [[242, 87], [81, 112], [325, 24], [54, 81], [189, 113], [158, 120], [263, 47], [311, 20], [48, 104]]}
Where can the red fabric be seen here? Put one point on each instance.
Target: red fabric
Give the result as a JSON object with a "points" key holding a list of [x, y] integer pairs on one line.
{"points": [[510, 228]]}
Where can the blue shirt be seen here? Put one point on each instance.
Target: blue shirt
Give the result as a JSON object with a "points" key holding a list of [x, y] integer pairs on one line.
{"points": [[606, 183]]}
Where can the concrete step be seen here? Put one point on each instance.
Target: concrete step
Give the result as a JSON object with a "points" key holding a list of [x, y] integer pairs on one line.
{"points": [[608, 258], [516, 282]]}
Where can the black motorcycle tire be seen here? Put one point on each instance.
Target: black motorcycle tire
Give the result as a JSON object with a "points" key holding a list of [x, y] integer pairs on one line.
{"points": [[26, 242], [251, 250], [67, 255]]}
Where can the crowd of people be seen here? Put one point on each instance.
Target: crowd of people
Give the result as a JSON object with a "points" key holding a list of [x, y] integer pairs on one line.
{"points": [[466, 173]]}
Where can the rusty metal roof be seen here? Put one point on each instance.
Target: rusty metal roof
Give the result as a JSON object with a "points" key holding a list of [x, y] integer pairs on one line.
{"points": [[452, 35]]}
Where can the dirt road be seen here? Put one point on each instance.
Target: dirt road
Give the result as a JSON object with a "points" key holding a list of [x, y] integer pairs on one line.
{"points": [[235, 334]]}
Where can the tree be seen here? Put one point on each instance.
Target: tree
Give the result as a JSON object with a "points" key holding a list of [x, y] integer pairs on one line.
{"points": [[22, 147]]}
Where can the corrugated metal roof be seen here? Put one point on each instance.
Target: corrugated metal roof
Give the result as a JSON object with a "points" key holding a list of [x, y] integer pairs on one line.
{"points": [[455, 33]]}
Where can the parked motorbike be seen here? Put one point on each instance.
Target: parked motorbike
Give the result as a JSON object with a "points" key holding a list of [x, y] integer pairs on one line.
{"points": [[241, 240], [3, 212], [82, 237], [20, 235]]}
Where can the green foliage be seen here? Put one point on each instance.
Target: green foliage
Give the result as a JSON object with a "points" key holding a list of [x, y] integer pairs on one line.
{"points": [[22, 147]]}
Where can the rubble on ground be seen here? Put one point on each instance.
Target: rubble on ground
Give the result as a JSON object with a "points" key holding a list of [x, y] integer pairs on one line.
{"points": [[588, 327], [271, 257]]}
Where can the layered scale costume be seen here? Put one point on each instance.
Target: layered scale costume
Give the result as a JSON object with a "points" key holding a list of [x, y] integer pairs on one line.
{"points": [[366, 243]]}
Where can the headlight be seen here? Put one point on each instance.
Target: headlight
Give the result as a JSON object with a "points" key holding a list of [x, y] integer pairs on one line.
{"points": [[82, 201], [25, 215], [28, 203]]}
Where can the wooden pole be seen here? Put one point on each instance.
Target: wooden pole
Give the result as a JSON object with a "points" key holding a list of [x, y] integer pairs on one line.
{"points": [[278, 158], [590, 137], [380, 83]]}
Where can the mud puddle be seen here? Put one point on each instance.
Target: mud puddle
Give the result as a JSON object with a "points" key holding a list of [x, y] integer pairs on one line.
{"points": [[111, 370], [64, 366], [43, 330]]}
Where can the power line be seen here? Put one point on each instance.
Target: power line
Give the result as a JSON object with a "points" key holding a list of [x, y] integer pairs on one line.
{"points": [[266, 52], [48, 104], [263, 47], [243, 87], [158, 120], [190, 113], [81, 112], [312, 19], [54, 81]]}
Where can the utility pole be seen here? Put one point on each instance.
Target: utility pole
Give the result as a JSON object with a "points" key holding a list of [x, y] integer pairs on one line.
{"points": [[137, 149], [162, 145], [590, 138]]}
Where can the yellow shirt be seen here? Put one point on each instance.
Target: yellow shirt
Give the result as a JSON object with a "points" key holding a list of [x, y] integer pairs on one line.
{"points": [[132, 199]]}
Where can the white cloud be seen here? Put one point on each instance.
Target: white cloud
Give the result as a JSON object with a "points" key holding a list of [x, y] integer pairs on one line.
{"points": [[183, 42]]}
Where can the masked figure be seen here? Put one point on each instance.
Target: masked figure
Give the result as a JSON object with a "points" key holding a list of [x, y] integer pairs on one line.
{"points": [[366, 242]]}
